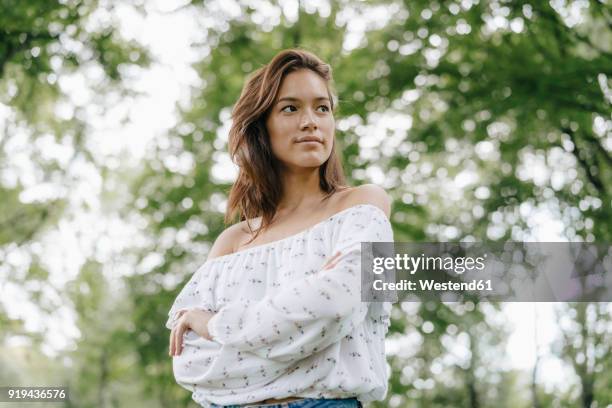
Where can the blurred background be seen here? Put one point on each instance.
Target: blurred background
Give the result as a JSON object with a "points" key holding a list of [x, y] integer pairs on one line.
{"points": [[485, 120]]}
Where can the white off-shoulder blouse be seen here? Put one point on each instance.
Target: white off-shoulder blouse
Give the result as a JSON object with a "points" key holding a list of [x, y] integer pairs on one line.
{"points": [[283, 326]]}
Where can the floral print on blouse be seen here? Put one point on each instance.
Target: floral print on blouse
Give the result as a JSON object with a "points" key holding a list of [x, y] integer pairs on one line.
{"points": [[283, 326]]}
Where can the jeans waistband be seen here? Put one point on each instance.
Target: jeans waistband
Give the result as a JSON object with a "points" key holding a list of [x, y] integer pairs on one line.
{"points": [[271, 404], [325, 402]]}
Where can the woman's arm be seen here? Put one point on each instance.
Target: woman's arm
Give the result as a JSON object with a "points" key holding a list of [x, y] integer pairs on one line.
{"points": [[194, 318]]}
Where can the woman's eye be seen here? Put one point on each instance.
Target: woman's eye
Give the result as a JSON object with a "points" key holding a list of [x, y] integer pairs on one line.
{"points": [[291, 108], [288, 106]]}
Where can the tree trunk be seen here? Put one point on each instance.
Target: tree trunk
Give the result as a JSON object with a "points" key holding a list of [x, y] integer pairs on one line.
{"points": [[471, 380], [103, 379], [534, 373]]}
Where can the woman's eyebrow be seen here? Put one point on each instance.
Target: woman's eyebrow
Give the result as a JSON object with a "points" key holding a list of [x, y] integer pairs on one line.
{"points": [[294, 99]]}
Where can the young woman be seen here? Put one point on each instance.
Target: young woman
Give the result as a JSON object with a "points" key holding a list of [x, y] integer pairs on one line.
{"points": [[274, 317]]}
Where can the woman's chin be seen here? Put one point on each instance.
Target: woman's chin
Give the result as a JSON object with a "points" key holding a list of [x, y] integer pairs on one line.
{"points": [[310, 165], [309, 160]]}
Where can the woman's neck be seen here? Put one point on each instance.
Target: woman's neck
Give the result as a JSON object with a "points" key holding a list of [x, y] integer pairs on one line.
{"points": [[300, 192]]}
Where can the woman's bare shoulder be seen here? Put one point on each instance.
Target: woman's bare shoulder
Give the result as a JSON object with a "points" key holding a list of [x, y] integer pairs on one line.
{"points": [[227, 242], [364, 194]]}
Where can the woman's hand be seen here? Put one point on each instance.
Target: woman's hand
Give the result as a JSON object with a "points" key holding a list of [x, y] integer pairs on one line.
{"points": [[192, 319]]}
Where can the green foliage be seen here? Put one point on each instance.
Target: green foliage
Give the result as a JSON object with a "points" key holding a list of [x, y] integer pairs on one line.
{"points": [[19, 222], [38, 37], [500, 87], [41, 43], [453, 111]]}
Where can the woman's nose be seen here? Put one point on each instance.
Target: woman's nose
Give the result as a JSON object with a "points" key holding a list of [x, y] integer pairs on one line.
{"points": [[308, 119]]}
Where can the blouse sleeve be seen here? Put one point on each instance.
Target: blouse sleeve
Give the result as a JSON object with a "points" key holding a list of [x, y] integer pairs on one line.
{"points": [[314, 312], [197, 293]]}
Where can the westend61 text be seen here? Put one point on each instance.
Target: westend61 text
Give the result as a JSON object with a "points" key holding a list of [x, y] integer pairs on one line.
{"points": [[428, 284]]}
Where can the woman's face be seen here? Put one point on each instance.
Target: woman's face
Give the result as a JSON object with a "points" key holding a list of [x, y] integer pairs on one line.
{"points": [[300, 123]]}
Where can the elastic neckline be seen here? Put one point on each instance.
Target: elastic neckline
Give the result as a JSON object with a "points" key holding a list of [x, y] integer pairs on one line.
{"points": [[293, 236]]}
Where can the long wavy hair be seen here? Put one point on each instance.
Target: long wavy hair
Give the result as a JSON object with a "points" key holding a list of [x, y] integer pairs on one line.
{"points": [[258, 188]]}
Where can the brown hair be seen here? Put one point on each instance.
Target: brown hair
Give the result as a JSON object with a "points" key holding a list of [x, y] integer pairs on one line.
{"points": [[258, 188]]}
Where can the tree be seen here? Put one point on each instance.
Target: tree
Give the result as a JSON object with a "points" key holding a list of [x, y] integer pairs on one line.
{"points": [[42, 45], [584, 343]]}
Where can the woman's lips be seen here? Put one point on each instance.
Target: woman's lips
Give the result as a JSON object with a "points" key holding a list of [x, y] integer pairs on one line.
{"points": [[310, 140]]}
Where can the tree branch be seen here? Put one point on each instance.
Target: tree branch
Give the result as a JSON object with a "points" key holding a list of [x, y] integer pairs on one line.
{"points": [[593, 178]]}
